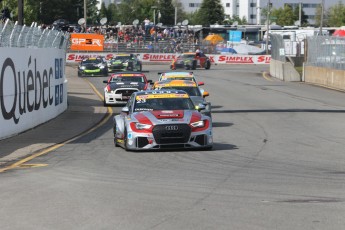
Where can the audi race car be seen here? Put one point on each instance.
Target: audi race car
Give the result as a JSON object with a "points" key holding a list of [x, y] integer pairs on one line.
{"points": [[162, 119], [120, 87], [93, 66], [195, 93], [191, 61], [124, 62]]}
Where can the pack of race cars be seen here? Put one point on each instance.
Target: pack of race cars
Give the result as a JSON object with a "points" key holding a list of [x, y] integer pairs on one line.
{"points": [[171, 113]]}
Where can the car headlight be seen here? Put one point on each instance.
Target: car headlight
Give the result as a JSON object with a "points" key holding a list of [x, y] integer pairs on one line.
{"points": [[198, 124], [82, 67], [101, 66], [142, 126]]}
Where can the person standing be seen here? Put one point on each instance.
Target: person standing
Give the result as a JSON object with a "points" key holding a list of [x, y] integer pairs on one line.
{"points": [[147, 25]]}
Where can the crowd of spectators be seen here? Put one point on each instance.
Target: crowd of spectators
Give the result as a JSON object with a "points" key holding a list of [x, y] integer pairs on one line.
{"points": [[143, 36]]}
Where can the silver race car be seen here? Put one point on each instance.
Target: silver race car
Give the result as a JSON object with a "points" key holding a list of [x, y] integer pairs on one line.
{"points": [[162, 119]]}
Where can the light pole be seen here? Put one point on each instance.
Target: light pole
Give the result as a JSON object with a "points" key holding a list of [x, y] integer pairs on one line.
{"points": [[85, 14], [321, 20], [154, 14], [268, 23]]}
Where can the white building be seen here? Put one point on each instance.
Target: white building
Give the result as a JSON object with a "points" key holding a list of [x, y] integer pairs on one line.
{"points": [[251, 9]]}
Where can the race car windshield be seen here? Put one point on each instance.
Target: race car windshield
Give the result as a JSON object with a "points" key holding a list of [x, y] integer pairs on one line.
{"points": [[187, 56], [192, 91], [121, 58], [180, 78], [131, 79], [95, 61], [163, 104]]}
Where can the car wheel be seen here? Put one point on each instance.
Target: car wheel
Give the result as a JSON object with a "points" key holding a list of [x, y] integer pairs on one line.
{"points": [[208, 65], [114, 131], [125, 139], [194, 65]]}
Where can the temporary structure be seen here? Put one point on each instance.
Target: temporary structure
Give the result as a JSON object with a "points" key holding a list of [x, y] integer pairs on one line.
{"points": [[339, 33], [213, 39]]}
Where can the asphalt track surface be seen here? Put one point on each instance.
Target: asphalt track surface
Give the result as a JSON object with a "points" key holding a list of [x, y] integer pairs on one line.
{"points": [[278, 163]]}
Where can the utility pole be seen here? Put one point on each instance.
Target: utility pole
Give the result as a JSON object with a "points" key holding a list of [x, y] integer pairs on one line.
{"points": [[268, 23], [85, 15], [321, 20], [300, 14], [20, 12]]}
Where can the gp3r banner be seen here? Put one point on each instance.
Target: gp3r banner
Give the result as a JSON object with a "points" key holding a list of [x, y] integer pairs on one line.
{"points": [[87, 42]]}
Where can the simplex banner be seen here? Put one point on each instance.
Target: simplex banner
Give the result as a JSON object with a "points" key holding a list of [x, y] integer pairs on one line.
{"points": [[33, 88], [167, 58]]}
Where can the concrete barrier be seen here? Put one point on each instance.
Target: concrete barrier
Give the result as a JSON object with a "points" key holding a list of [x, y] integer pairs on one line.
{"points": [[33, 87], [284, 71], [325, 77]]}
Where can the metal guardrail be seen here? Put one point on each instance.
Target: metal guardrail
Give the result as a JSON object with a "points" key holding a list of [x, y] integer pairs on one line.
{"points": [[14, 35], [326, 51]]}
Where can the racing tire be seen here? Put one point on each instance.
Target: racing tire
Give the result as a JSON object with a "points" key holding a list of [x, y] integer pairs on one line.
{"points": [[114, 131], [194, 65], [125, 140], [208, 65]]}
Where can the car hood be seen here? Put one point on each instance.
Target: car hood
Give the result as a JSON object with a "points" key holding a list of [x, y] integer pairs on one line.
{"points": [[118, 62], [127, 84], [157, 117], [197, 100]]}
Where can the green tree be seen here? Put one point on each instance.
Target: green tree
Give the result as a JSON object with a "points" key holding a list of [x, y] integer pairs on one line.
{"points": [[210, 12], [167, 12], [336, 15], [304, 17], [285, 16]]}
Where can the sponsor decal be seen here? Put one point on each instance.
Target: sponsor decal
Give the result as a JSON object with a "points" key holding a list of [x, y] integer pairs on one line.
{"points": [[159, 57], [264, 59], [87, 42], [27, 89], [236, 59], [152, 96], [129, 136]]}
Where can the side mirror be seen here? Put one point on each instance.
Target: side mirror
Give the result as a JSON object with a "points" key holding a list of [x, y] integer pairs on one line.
{"points": [[125, 110], [205, 94], [201, 83], [105, 81], [150, 81], [200, 107]]}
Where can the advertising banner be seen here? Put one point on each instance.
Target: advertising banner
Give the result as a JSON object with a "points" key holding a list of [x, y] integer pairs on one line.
{"points": [[87, 42], [165, 58], [33, 88]]}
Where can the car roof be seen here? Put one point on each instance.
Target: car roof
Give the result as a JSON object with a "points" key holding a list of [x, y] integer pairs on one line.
{"points": [[176, 83], [174, 73], [122, 55], [128, 73], [161, 91]]}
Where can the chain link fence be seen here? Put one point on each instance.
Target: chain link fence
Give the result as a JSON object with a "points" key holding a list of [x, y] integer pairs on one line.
{"points": [[277, 47], [326, 51], [14, 35]]}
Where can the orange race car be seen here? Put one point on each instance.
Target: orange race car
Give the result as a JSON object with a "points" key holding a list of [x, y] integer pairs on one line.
{"points": [[191, 61]]}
